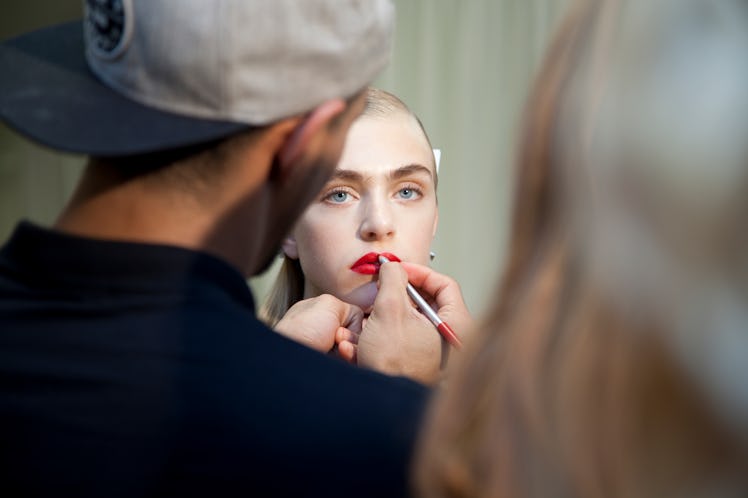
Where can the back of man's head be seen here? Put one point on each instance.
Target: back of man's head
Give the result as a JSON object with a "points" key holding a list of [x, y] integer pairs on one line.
{"points": [[234, 102], [141, 76]]}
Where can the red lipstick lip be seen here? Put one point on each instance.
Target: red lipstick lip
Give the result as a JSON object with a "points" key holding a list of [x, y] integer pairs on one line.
{"points": [[368, 264]]}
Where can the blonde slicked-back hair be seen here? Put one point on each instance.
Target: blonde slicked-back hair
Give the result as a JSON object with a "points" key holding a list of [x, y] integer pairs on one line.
{"points": [[288, 287]]}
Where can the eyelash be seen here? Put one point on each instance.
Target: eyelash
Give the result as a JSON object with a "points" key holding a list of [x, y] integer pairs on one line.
{"points": [[340, 190], [415, 188], [337, 190]]}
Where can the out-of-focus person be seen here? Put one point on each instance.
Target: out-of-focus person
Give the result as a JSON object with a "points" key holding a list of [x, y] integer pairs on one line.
{"points": [[614, 362]]}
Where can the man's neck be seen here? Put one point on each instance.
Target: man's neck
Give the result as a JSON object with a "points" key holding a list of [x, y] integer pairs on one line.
{"points": [[105, 207]]}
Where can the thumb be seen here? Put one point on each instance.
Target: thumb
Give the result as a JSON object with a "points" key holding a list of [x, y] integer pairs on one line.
{"points": [[392, 283]]}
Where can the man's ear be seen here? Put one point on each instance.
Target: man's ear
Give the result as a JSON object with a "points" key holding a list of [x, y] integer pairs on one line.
{"points": [[289, 247], [313, 123]]}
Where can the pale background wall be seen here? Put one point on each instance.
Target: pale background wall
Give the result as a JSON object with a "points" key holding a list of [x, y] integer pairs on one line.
{"points": [[464, 66]]}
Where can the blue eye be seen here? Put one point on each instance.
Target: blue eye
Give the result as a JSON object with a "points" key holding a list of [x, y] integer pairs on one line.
{"points": [[338, 197], [407, 193]]}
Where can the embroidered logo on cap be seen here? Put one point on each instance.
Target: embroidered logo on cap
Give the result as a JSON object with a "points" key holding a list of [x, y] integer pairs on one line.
{"points": [[108, 27]]}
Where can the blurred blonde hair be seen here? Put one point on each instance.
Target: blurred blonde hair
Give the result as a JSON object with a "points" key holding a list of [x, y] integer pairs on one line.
{"points": [[288, 287], [614, 360]]}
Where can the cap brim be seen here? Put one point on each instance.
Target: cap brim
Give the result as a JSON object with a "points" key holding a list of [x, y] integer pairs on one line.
{"points": [[48, 93]]}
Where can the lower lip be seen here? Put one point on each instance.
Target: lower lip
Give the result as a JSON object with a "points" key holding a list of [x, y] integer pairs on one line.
{"points": [[367, 269], [373, 268]]}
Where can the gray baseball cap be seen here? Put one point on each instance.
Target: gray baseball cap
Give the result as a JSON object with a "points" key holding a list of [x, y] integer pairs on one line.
{"points": [[138, 76]]}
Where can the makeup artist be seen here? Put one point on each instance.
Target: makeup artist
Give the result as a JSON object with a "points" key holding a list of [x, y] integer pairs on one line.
{"points": [[381, 199], [131, 360]]}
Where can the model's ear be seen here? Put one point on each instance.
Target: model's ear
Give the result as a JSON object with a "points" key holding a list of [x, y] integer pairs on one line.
{"points": [[289, 247], [436, 224], [313, 124]]}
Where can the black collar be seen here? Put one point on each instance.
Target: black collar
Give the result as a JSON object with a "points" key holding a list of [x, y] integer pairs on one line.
{"points": [[56, 260]]}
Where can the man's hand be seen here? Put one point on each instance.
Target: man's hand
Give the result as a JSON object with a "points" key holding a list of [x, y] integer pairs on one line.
{"points": [[446, 297], [322, 323], [397, 339]]}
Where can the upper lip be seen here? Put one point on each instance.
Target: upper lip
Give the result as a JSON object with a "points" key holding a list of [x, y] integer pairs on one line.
{"points": [[372, 258]]}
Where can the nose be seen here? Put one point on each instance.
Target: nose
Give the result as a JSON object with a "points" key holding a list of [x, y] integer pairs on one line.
{"points": [[378, 221]]}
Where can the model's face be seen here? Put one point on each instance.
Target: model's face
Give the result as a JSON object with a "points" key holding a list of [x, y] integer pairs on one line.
{"points": [[306, 178], [381, 199]]}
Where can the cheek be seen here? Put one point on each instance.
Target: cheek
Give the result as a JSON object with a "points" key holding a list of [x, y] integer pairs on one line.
{"points": [[423, 248], [315, 241], [419, 237], [362, 296], [319, 245]]}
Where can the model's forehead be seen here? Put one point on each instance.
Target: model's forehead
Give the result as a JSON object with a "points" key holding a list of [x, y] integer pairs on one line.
{"points": [[383, 143]]}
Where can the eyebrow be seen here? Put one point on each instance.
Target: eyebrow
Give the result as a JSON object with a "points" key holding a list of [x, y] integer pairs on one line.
{"points": [[410, 169], [403, 171]]}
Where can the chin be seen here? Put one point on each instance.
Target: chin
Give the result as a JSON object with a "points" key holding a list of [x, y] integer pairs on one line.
{"points": [[362, 296]]}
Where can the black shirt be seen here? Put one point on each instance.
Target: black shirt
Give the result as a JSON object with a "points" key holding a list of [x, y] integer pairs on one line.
{"points": [[134, 370]]}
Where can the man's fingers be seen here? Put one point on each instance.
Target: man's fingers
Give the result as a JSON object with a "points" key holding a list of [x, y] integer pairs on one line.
{"points": [[347, 351], [315, 322], [353, 318], [443, 288], [392, 281], [344, 334], [348, 315], [445, 293]]}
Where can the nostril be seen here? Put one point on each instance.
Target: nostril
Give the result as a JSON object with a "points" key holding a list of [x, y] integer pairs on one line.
{"points": [[376, 229]]}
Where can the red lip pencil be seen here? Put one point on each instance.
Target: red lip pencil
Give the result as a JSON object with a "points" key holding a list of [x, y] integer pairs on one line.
{"points": [[445, 330]]}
